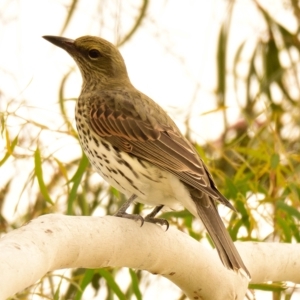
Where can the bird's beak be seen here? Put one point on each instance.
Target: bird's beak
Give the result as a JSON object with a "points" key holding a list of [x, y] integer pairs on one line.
{"points": [[64, 43]]}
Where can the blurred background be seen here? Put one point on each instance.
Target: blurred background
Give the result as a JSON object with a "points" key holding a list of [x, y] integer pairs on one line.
{"points": [[226, 71]]}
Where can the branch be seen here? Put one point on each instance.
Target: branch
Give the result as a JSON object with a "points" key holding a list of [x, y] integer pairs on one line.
{"points": [[53, 242]]}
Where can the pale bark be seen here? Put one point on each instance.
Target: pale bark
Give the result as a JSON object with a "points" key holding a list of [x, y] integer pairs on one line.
{"points": [[53, 242]]}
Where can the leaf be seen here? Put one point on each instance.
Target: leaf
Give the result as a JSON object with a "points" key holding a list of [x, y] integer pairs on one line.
{"points": [[10, 146], [285, 227], [135, 284], [231, 188], [57, 292], [274, 287], [76, 179], [274, 160], [294, 189], [39, 175], [71, 11], [221, 64], [112, 283], [86, 280], [217, 109], [252, 74], [237, 59], [295, 230], [234, 230], [291, 211], [62, 168], [62, 104], [137, 25]]}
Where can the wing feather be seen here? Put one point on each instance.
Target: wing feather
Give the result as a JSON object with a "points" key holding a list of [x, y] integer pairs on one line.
{"points": [[162, 145]]}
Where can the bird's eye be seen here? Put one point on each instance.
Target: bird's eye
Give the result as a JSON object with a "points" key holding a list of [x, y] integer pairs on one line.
{"points": [[94, 54]]}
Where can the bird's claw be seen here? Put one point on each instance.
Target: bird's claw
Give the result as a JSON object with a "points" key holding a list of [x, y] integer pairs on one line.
{"points": [[130, 217], [148, 219], [159, 221]]}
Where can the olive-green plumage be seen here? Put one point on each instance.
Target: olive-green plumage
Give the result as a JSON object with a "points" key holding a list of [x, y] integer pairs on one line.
{"points": [[137, 148]]}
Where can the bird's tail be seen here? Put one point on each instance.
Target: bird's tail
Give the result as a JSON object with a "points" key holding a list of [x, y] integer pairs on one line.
{"points": [[209, 215]]}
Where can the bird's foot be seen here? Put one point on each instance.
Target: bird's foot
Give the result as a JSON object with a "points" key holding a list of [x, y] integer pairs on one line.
{"points": [[151, 217], [134, 217], [148, 219], [121, 213], [158, 221]]}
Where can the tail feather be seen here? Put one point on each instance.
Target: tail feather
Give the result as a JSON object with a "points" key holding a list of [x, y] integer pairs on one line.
{"points": [[217, 231]]}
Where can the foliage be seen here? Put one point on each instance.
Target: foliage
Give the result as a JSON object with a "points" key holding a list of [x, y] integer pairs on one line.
{"points": [[255, 162]]}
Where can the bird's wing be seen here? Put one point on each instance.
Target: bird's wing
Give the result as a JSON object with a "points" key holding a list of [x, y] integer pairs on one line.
{"points": [[163, 145]]}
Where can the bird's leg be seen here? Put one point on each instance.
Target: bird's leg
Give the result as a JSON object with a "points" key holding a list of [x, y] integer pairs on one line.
{"points": [[151, 217], [123, 214]]}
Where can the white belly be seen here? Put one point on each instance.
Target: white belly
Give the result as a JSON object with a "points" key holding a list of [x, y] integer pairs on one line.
{"points": [[129, 175]]}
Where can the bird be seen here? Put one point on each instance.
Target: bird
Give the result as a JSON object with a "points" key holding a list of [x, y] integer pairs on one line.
{"points": [[138, 149]]}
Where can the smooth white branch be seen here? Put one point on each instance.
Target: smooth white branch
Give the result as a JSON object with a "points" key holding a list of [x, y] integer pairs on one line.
{"points": [[53, 242]]}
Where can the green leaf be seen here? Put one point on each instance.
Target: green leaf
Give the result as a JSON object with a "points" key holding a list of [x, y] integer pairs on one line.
{"points": [[143, 11], [86, 280], [10, 146], [175, 214], [62, 168], [231, 188], [57, 292], [221, 64], [237, 59], [274, 160], [71, 12], [113, 191], [291, 211], [273, 287], [234, 230], [39, 175], [285, 227], [135, 284], [76, 179], [112, 283], [292, 188], [62, 102], [295, 230]]}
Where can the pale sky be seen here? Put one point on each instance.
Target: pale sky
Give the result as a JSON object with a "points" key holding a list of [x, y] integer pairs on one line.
{"points": [[171, 58]]}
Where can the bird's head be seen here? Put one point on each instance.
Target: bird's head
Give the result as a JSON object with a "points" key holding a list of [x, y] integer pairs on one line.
{"points": [[98, 60]]}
